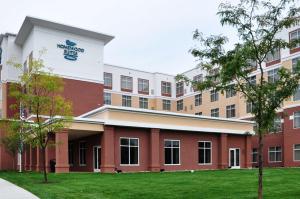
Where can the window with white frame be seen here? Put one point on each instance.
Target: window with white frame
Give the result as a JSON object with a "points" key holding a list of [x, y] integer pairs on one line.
{"points": [[249, 107], [252, 80], [179, 105], [295, 63], [166, 105], [297, 119], [273, 75], [126, 100], [198, 78], [204, 152], [107, 98], [230, 111], [143, 102], [296, 152], [172, 152], [129, 151], [296, 95], [126, 83], [214, 95], [276, 126], [179, 88], [82, 153], [143, 85], [273, 55], [165, 88], [198, 99], [275, 154], [294, 36], [230, 92], [108, 80], [254, 155], [214, 112]]}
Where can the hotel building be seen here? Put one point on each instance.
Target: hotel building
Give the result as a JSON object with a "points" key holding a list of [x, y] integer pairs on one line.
{"points": [[132, 120]]}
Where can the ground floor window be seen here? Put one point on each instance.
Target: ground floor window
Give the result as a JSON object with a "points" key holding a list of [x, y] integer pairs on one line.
{"points": [[82, 153], [172, 152], [143, 102], [129, 151], [71, 154], [275, 154], [204, 152], [254, 155], [297, 152]]}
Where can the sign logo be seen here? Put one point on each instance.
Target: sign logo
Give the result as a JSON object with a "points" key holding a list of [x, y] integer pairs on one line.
{"points": [[70, 50]]}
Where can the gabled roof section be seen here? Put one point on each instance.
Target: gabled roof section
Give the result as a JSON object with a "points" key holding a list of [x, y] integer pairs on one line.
{"points": [[30, 22]]}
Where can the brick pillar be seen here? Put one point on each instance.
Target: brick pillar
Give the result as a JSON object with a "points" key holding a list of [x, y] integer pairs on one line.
{"points": [[61, 152], [248, 150], [108, 150], [154, 151], [223, 152]]}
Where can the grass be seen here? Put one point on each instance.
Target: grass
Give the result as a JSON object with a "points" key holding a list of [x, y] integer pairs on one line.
{"points": [[279, 183]]}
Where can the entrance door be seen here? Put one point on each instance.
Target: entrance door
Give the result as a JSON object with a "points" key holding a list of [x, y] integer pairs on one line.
{"points": [[97, 158], [234, 158]]}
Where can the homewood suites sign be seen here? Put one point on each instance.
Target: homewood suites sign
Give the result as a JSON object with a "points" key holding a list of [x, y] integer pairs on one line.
{"points": [[70, 50]]}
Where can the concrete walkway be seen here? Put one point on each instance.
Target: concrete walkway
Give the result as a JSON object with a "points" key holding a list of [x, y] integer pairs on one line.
{"points": [[11, 191]]}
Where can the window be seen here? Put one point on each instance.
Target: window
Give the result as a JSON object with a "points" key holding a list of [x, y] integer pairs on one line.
{"points": [[166, 88], [172, 150], [276, 126], [214, 95], [214, 112], [179, 105], [249, 107], [166, 105], [198, 78], [198, 99], [295, 35], [143, 102], [275, 154], [108, 80], [126, 83], [273, 75], [198, 113], [296, 95], [107, 98], [230, 92], [204, 152], [71, 153], [295, 63], [143, 86], [82, 153], [126, 100], [179, 88], [273, 55], [297, 119], [297, 152], [254, 155], [230, 111], [252, 80], [129, 151]]}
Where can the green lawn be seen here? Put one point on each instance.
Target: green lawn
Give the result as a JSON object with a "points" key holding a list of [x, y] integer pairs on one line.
{"points": [[279, 183]]}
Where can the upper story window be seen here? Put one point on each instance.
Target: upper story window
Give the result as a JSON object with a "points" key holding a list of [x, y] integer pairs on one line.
{"points": [[297, 119], [276, 126], [108, 80], [296, 95], [143, 102], [273, 57], [179, 105], [273, 75], [126, 100], [230, 111], [230, 92], [198, 99], [143, 86], [295, 35], [166, 88], [166, 105], [249, 107], [295, 63], [107, 98], [179, 89], [214, 95], [214, 112], [126, 83], [252, 80]]}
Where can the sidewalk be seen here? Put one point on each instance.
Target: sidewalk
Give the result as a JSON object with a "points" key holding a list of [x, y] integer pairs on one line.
{"points": [[11, 191]]}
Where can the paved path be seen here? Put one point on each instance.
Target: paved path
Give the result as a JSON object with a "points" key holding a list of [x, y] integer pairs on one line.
{"points": [[11, 191]]}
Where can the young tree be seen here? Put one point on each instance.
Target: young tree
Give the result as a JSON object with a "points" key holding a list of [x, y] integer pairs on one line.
{"points": [[258, 24], [39, 94]]}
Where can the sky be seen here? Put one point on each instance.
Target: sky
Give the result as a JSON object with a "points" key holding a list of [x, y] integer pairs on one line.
{"points": [[154, 35]]}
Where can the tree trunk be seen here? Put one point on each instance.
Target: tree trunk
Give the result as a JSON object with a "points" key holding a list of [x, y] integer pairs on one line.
{"points": [[44, 164], [260, 166]]}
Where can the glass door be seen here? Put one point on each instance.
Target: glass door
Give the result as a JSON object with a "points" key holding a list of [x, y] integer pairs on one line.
{"points": [[97, 158], [234, 158]]}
